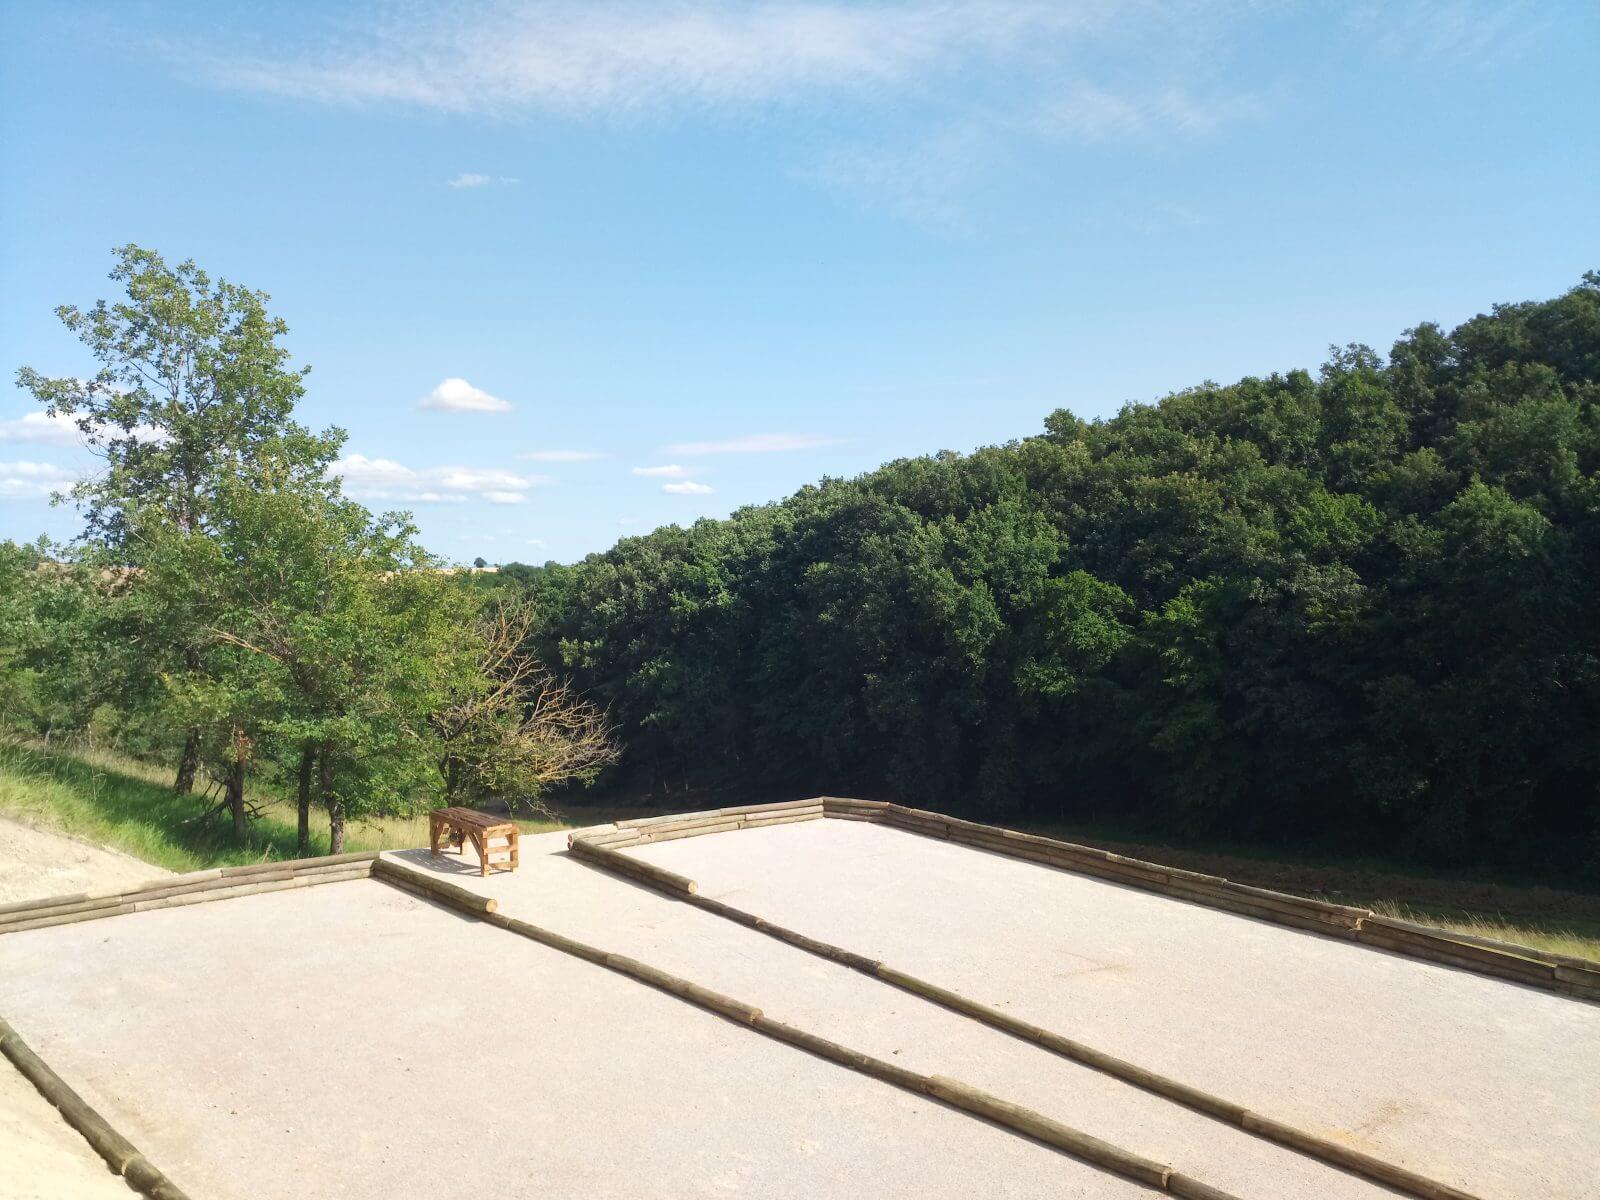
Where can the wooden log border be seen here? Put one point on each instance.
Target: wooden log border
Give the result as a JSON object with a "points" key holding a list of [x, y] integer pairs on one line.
{"points": [[1013, 1117], [193, 888], [120, 1154], [1238, 1115], [1564, 975]]}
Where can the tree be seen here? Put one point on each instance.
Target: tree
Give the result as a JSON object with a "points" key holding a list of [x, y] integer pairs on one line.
{"points": [[511, 730], [1355, 605], [193, 392]]}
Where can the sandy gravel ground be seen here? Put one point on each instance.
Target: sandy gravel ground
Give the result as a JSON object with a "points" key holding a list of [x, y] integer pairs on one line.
{"points": [[43, 1157], [354, 1043], [1484, 1084], [35, 864], [559, 892]]}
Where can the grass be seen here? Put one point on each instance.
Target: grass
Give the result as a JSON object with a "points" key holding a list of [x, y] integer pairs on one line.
{"points": [[1577, 939], [129, 806]]}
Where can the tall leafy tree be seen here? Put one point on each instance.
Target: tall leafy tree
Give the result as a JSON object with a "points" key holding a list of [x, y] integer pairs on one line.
{"points": [[193, 392]]}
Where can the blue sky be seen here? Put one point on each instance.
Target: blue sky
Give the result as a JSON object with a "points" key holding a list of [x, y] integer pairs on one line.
{"points": [[569, 271]]}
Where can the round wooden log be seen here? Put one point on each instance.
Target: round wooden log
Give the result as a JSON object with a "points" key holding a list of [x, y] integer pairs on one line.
{"points": [[1036, 1125], [1351, 1159], [643, 871], [554, 940], [450, 893], [850, 804], [725, 911], [678, 832], [20, 905], [149, 1179], [789, 818], [668, 819], [782, 806], [68, 918], [107, 1142], [302, 864], [1515, 969], [687, 989], [844, 1056]]}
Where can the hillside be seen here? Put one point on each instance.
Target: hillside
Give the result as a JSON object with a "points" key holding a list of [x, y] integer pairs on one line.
{"points": [[1354, 608]]}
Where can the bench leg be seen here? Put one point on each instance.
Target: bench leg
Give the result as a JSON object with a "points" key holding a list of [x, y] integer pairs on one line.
{"points": [[433, 836]]}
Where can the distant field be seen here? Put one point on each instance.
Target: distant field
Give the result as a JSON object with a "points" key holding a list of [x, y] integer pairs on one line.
{"points": [[128, 805]]}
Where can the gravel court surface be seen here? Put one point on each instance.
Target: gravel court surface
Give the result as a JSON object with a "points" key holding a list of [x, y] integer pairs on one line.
{"points": [[351, 1041], [561, 893], [1482, 1084]]}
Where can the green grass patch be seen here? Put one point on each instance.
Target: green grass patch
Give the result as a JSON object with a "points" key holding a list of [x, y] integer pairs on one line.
{"points": [[129, 806]]}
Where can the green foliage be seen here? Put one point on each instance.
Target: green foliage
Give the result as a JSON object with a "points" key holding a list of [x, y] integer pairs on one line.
{"points": [[1359, 606], [226, 599]]}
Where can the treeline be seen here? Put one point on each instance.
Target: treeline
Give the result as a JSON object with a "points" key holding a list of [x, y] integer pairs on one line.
{"points": [[229, 610], [1358, 607]]}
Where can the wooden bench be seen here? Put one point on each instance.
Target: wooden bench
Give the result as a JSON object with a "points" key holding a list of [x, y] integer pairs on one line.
{"points": [[493, 837]]}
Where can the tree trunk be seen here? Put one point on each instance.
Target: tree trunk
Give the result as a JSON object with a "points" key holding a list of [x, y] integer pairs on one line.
{"points": [[331, 801], [188, 764], [452, 778], [236, 797], [308, 763]]}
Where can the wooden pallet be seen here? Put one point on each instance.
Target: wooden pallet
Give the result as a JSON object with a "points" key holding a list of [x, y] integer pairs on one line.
{"points": [[492, 836]]}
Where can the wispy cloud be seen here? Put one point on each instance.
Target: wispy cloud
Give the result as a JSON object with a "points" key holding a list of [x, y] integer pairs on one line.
{"points": [[384, 479], [687, 487], [457, 395], [756, 443], [472, 179], [33, 480], [670, 471], [1086, 113], [619, 56], [1459, 29], [41, 428], [562, 455], [941, 92]]}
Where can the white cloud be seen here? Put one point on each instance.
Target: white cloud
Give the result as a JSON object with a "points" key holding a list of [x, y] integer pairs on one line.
{"points": [[670, 471], [473, 179], [687, 488], [457, 395], [756, 443], [41, 427], [33, 480], [384, 479], [561, 455], [536, 541], [62, 430]]}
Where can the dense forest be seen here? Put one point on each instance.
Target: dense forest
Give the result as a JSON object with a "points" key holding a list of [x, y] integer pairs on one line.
{"points": [[1358, 607]]}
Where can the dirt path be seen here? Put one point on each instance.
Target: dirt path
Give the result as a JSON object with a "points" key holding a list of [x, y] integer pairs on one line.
{"points": [[35, 864], [44, 1157]]}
